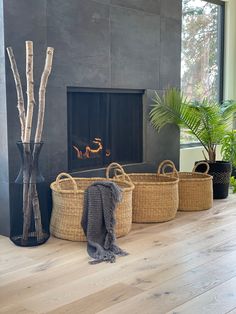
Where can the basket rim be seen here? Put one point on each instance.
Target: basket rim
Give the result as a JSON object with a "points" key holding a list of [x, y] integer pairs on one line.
{"points": [[193, 176], [54, 188], [172, 180]]}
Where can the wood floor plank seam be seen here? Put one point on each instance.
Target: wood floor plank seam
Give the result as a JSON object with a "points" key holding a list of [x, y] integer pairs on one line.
{"points": [[199, 265], [108, 295], [180, 304], [222, 241], [232, 311], [187, 223], [170, 267], [175, 310]]}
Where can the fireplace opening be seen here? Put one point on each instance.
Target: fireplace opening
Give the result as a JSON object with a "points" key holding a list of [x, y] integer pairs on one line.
{"points": [[104, 126]]}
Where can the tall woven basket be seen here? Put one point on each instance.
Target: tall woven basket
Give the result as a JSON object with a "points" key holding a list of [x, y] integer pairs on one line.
{"points": [[68, 201], [195, 188], [155, 197]]}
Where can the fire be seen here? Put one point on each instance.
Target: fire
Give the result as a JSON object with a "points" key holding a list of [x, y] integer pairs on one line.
{"points": [[79, 153], [90, 152], [108, 152]]}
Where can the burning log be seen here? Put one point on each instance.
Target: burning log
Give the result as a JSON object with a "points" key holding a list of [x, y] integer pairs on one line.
{"points": [[108, 152], [89, 152]]}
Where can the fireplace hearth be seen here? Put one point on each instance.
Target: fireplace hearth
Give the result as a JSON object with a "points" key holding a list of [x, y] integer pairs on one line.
{"points": [[104, 126]]}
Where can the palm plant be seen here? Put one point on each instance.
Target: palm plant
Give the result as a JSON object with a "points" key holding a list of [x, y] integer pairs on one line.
{"points": [[228, 149], [207, 121]]}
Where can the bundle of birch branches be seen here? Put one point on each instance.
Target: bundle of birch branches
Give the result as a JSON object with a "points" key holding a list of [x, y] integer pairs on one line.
{"points": [[30, 195]]}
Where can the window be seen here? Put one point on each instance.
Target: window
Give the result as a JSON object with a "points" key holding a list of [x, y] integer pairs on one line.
{"points": [[202, 53]]}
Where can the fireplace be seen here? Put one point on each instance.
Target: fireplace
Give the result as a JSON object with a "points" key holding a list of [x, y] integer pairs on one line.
{"points": [[104, 126]]}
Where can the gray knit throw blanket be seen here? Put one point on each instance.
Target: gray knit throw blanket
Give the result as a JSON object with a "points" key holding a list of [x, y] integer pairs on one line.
{"points": [[98, 221]]}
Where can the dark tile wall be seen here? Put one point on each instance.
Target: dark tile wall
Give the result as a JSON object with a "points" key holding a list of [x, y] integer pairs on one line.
{"points": [[23, 20], [98, 43], [4, 166]]}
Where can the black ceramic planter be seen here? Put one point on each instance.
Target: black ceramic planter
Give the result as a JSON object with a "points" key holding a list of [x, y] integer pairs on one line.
{"points": [[221, 172]]}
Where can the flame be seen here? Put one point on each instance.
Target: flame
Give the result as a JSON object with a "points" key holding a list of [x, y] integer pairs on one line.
{"points": [[98, 142], [108, 152], [89, 152], [79, 153]]}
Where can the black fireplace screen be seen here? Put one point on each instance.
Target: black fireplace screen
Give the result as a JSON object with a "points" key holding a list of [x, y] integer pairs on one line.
{"points": [[104, 127]]}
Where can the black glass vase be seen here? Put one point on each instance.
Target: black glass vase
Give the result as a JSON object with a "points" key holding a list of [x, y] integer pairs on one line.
{"points": [[29, 210]]}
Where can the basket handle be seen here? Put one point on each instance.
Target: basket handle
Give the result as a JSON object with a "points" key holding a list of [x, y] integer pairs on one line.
{"points": [[167, 163], [202, 163], [64, 174], [123, 175], [118, 169]]}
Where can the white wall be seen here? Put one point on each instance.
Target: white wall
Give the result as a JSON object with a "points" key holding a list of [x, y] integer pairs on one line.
{"points": [[188, 156], [230, 50]]}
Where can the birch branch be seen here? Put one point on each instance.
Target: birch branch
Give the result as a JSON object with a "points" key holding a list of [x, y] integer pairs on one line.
{"points": [[37, 212], [27, 206], [42, 92], [26, 196], [30, 90], [38, 137], [19, 92]]}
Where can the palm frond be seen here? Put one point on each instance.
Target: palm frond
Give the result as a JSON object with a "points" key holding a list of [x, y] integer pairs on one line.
{"points": [[228, 109], [173, 107], [207, 121]]}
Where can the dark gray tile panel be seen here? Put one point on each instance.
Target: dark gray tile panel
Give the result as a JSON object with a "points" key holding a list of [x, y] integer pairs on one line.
{"points": [[4, 162], [79, 32], [170, 60], [4, 209], [151, 6], [135, 48], [171, 8]]}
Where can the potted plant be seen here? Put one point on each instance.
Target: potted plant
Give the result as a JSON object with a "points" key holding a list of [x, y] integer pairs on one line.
{"points": [[228, 149], [233, 184], [208, 121]]}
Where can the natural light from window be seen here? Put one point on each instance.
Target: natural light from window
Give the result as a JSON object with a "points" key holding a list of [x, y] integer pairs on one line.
{"points": [[200, 66]]}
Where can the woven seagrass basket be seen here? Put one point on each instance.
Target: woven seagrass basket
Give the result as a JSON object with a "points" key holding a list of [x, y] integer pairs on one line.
{"points": [[155, 197], [195, 188], [68, 201]]}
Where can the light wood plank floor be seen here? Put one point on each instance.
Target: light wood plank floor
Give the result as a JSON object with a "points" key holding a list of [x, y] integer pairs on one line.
{"points": [[187, 266]]}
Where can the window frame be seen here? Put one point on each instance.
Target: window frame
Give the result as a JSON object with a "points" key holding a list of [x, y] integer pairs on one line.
{"points": [[221, 47]]}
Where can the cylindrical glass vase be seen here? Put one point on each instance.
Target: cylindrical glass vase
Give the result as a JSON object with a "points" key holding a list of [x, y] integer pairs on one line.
{"points": [[29, 210]]}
